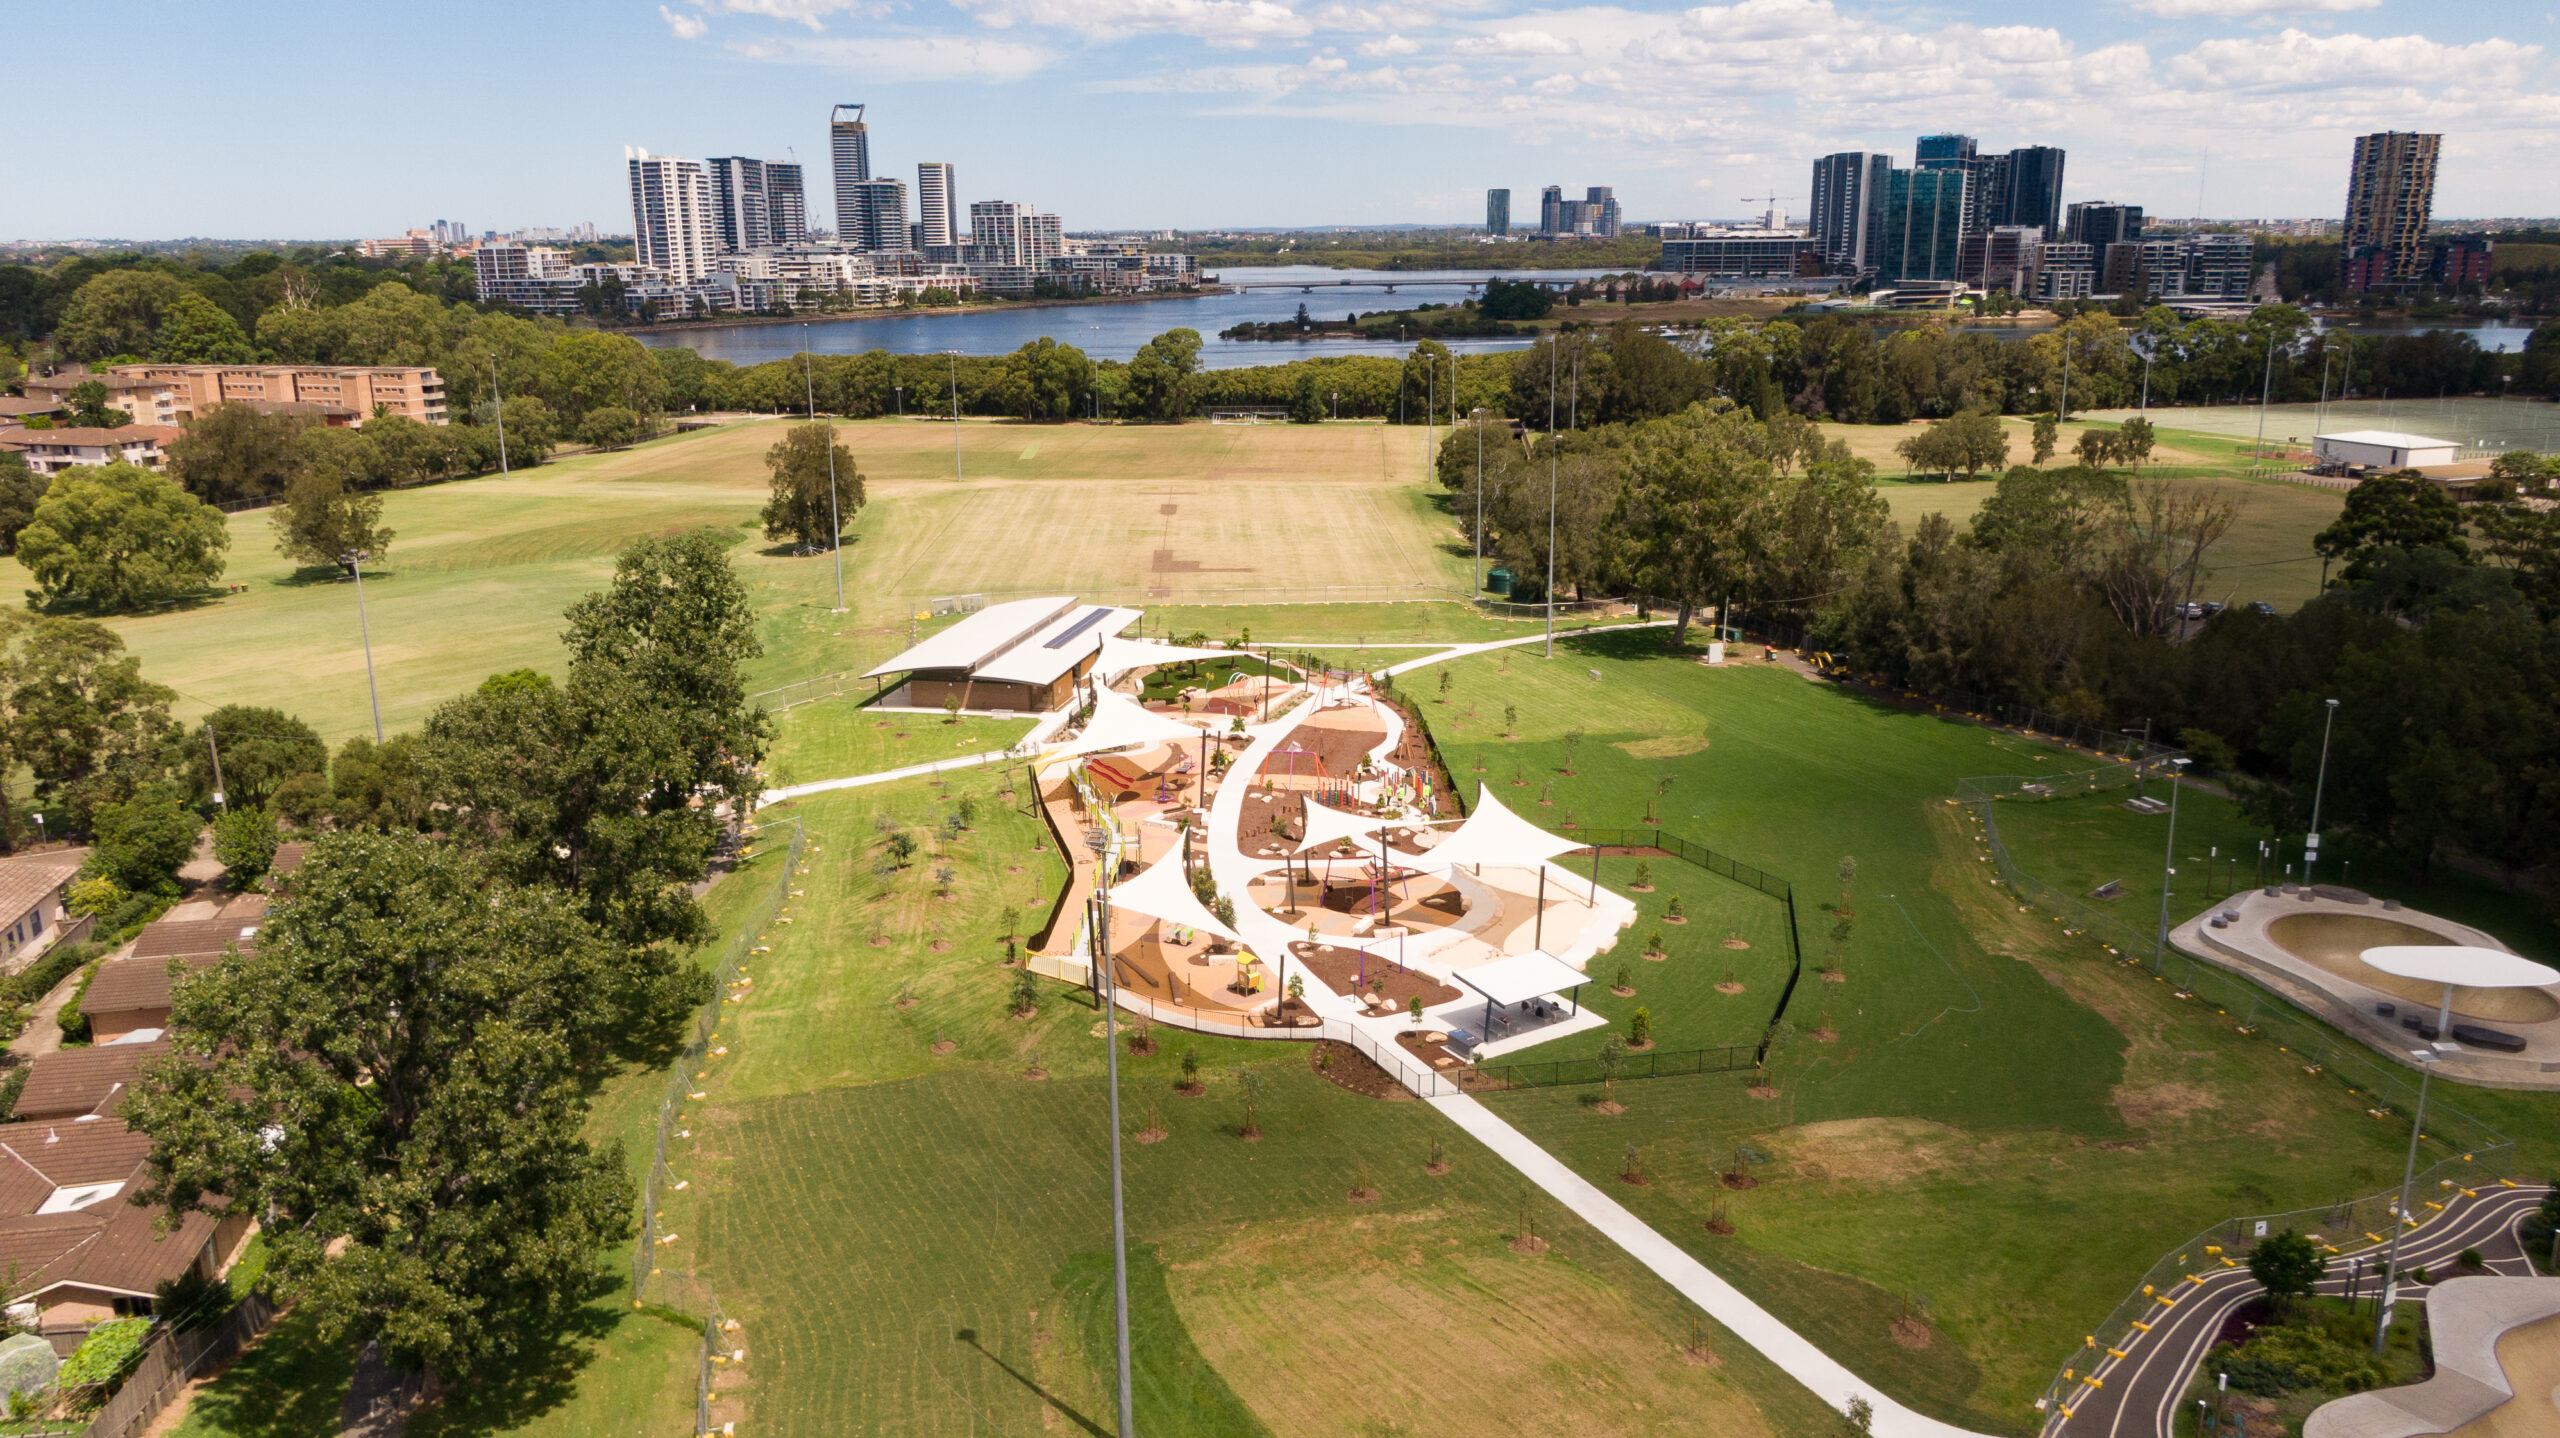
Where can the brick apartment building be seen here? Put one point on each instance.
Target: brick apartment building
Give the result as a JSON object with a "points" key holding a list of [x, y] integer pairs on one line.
{"points": [[342, 394]]}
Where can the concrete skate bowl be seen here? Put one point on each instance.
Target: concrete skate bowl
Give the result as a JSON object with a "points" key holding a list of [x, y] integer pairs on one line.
{"points": [[2332, 942]]}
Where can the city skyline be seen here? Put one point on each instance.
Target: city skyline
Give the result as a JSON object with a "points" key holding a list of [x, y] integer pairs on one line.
{"points": [[1254, 107]]}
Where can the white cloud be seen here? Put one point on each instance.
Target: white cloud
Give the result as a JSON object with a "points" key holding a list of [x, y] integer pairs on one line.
{"points": [[2295, 60], [1517, 42], [910, 57], [1392, 45], [2232, 9], [686, 27], [1222, 23], [804, 12]]}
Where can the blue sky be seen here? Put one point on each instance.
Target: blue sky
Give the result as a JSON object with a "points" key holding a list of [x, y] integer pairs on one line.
{"points": [[307, 120]]}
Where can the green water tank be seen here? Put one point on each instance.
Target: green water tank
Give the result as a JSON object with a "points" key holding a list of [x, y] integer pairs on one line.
{"points": [[1497, 580]]}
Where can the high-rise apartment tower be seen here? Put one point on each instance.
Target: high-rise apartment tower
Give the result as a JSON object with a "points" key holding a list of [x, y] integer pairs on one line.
{"points": [[849, 142], [2391, 194], [671, 221], [1847, 220], [1497, 212], [937, 217]]}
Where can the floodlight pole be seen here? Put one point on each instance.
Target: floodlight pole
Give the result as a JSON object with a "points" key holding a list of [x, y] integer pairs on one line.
{"points": [[2266, 385], [2400, 1225], [956, 471], [1551, 502], [2168, 869], [1110, 859], [1478, 417], [355, 565], [499, 396], [2319, 788], [835, 521]]}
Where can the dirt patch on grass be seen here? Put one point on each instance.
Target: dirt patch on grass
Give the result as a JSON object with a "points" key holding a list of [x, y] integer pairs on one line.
{"points": [[1667, 746], [1870, 1150], [2161, 1103], [1912, 1333]]}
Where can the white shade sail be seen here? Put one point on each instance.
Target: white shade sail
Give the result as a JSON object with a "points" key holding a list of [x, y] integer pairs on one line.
{"points": [[1522, 976], [2460, 964], [1163, 891], [1119, 721], [1332, 826], [1120, 655], [1494, 835]]}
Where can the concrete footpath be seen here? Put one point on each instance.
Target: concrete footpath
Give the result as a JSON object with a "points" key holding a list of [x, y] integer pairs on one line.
{"points": [[1748, 1321]]}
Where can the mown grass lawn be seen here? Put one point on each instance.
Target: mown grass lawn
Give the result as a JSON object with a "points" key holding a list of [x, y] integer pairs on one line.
{"points": [[2007, 1127]]}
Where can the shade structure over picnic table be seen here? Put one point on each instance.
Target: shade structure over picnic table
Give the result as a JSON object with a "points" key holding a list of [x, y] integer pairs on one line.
{"points": [[1163, 891], [1520, 978], [1120, 721], [1494, 835], [1120, 655]]}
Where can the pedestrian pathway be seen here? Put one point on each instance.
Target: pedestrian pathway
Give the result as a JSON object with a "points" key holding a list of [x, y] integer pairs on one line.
{"points": [[1808, 1365]]}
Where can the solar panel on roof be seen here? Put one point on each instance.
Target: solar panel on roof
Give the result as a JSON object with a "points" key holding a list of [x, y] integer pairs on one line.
{"points": [[1067, 635]]}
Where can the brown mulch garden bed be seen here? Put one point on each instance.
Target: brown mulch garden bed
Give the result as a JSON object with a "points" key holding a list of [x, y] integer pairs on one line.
{"points": [[1339, 967], [1347, 1068]]}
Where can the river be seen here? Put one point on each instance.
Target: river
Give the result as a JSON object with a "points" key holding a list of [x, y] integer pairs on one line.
{"points": [[1115, 329]]}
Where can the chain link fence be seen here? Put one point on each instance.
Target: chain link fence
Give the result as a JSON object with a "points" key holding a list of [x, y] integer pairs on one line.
{"points": [[1550, 1073], [2470, 1152], [650, 1282]]}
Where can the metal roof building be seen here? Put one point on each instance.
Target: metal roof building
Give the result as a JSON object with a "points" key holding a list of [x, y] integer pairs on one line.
{"points": [[1025, 655]]}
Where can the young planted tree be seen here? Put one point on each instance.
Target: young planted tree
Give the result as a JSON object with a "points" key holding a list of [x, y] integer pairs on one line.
{"points": [[1249, 1084], [1024, 1000], [1445, 682], [1640, 1028], [1612, 1059], [1190, 1072], [1572, 743]]}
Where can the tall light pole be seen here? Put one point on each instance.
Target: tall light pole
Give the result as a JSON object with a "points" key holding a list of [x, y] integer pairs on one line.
{"points": [[1551, 500], [956, 471], [354, 560], [501, 400], [2319, 788], [1478, 419], [2168, 870], [2400, 1224], [827, 438], [1111, 1062], [2266, 386]]}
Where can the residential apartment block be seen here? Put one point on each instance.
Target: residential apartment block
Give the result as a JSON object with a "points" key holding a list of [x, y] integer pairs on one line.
{"points": [[341, 394], [1847, 219], [2391, 192], [144, 399], [937, 206], [671, 215]]}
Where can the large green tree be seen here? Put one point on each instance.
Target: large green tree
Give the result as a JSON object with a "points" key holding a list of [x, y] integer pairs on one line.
{"points": [[235, 452], [392, 1088], [1163, 375], [82, 718], [811, 502], [256, 748], [119, 536], [118, 313], [320, 520], [2392, 511], [613, 785], [21, 489], [195, 330], [143, 841], [90, 409]]}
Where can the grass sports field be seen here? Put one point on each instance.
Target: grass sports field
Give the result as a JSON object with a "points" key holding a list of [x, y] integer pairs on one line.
{"points": [[480, 570], [2004, 1127]]}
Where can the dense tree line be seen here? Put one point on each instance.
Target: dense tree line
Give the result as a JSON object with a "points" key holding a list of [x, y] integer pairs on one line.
{"points": [[2437, 635], [497, 910]]}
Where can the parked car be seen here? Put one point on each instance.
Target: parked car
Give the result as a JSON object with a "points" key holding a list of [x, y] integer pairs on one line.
{"points": [[2260, 606]]}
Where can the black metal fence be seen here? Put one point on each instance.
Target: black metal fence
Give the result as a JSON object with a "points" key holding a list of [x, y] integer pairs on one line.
{"points": [[1548, 1073], [1749, 875]]}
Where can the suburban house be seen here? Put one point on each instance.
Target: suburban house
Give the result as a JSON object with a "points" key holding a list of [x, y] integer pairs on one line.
{"points": [[76, 1251], [51, 451], [1024, 655], [31, 890], [76, 1083], [131, 995]]}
